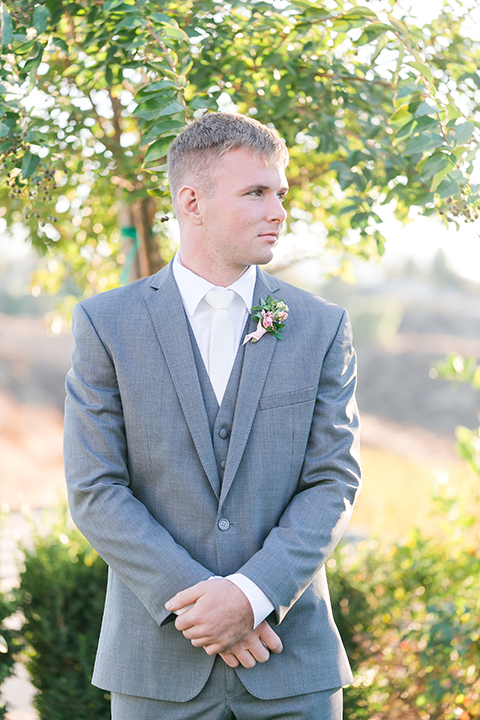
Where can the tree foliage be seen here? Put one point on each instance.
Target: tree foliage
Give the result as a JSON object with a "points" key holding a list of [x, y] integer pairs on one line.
{"points": [[374, 109]]}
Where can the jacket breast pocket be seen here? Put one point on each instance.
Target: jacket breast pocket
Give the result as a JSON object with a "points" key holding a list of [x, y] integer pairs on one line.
{"points": [[294, 397]]}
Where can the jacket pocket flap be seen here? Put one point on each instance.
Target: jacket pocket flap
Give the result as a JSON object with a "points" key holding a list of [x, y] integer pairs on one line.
{"points": [[290, 398]]}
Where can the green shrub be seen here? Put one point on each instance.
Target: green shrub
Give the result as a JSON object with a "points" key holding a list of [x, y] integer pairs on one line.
{"points": [[61, 594], [409, 614], [7, 642]]}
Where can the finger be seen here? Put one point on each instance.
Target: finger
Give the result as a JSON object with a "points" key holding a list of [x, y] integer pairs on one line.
{"points": [[229, 659], [256, 648], [184, 597], [270, 638], [245, 658], [200, 642], [213, 649], [186, 621]]}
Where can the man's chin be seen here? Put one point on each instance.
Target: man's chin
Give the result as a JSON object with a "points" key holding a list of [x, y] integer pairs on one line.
{"points": [[264, 259]]}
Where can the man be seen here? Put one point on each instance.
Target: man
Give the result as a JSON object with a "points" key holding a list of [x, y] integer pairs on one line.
{"points": [[216, 475]]}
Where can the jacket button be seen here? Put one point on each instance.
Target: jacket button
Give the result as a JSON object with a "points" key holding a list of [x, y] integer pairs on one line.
{"points": [[222, 464], [223, 524], [223, 433]]}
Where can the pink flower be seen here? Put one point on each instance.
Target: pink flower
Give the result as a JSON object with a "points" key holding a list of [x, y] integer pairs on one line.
{"points": [[255, 336], [282, 315], [268, 319]]}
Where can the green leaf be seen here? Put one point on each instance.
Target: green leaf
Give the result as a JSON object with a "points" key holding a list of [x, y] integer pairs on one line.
{"points": [[34, 62], [163, 19], [158, 149], [29, 164], [167, 127], [407, 90], [464, 132], [153, 109], [172, 108], [421, 143], [452, 111], [61, 44], [201, 102], [112, 4], [343, 24], [400, 27], [174, 33], [150, 108], [130, 22], [6, 26], [434, 164], [405, 131], [363, 12], [423, 70], [426, 109], [4, 129], [310, 9], [449, 186], [41, 16], [372, 32], [401, 116], [154, 88]]}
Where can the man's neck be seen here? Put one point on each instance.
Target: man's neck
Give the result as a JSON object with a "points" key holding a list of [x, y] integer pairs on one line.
{"points": [[218, 276]]}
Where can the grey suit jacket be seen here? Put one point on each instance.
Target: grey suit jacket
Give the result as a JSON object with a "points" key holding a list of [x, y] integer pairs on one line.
{"points": [[144, 485]]}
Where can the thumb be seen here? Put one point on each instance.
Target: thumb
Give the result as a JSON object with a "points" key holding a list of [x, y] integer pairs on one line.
{"points": [[183, 598], [270, 638]]}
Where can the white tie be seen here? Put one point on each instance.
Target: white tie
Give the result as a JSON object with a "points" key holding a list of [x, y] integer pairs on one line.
{"points": [[222, 340]]}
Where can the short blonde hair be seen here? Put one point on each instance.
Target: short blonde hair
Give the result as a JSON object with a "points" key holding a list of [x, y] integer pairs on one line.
{"points": [[193, 152]]}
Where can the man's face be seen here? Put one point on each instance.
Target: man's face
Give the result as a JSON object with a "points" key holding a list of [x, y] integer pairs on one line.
{"points": [[243, 213]]}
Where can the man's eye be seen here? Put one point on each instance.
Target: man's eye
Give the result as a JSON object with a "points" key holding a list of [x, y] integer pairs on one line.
{"points": [[256, 192]]}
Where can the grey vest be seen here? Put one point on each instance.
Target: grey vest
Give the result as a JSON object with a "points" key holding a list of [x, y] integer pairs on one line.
{"points": [[220, 418]]}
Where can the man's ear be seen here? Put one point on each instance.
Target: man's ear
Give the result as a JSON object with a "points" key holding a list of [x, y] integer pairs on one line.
{"points": [[188, 200]]}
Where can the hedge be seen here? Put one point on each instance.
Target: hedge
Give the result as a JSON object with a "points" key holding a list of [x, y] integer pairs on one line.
{"points": [[409, 614], [61, 595]]}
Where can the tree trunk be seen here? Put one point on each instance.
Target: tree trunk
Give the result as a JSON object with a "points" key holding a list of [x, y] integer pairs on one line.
{"points": [[142, 251]]}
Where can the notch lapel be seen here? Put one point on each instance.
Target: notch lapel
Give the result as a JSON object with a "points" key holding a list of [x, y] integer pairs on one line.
{"points": [[256, 364], [170, 322]]}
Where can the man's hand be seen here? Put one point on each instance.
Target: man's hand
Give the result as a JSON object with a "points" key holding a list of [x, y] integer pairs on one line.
{"points": [[221, 615], [253, 648]]}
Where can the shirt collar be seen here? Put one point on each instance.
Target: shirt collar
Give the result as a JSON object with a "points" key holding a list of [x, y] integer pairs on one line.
{"points": [[193, 288]]}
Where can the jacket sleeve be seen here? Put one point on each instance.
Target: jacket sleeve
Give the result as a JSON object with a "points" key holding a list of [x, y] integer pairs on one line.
{"points": [[120, 528], [319, 512]]}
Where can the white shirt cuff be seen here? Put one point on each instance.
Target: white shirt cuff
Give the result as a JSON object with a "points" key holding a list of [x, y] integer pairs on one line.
{"points": [[261, 605]]}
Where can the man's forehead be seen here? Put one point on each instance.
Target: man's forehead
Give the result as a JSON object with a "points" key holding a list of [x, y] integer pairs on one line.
{"points": [[249, 155], [246, 163]]}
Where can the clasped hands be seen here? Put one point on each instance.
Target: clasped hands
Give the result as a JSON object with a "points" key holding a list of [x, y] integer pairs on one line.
{"points": [[221, 621]]}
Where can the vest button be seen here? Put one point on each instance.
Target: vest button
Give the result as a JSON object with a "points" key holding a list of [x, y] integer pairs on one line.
{"points": [[223, 433], [223, 524], [222, 464]]}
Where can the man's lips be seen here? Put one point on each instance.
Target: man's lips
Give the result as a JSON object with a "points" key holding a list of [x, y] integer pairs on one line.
{"points": [[272, 235]]}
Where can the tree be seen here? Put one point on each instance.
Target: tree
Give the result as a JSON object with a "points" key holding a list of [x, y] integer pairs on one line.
{"points": [[374, 109]]}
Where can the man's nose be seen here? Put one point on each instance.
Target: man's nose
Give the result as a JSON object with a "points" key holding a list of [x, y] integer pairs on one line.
{"points": [[276, 211]]}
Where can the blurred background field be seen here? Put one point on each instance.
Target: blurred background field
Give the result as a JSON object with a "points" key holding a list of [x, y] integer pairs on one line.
{"points": [[406, 317]]}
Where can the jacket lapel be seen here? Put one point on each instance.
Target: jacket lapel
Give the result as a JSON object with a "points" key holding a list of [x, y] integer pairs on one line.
{"points": [[256, 364], [170, 323]]}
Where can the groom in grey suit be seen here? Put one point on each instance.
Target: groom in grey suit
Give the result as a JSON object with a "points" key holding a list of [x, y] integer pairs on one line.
{"points": [[215, 480]]}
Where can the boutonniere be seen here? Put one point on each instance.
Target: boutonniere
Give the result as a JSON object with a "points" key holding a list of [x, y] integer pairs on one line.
{"points": [[271, 315]]}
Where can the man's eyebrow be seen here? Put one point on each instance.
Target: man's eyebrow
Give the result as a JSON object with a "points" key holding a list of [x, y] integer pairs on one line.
{"points": [[264, 187]]}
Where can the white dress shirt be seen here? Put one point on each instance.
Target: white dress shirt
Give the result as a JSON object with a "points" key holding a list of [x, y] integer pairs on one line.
{"points": [[193, 289]]}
